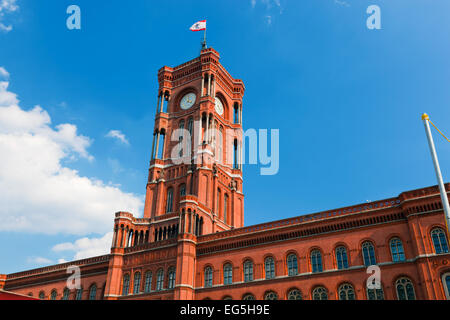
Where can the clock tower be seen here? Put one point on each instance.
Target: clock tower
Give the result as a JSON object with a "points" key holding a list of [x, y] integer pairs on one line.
{"points": [[195, 174]]}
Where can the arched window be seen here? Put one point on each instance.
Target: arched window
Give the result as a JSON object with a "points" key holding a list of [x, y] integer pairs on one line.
{"points": [[66, 293], [190, 127], [341, 258], [79, 294], [148, 281], [235, 155], [188, 139], [171, 278], [368, 254], [160, 280], [294, 294], [269, 265], [208, 277], [126, 284], [316, 261], [218, 202], [137, 283], [180, 138], [182, 190], [53, 295], [292, 265], [169, 205], [248, 271], [446, 283], [248, 296], [397, 252], [93, 292], [227, 274], [346, 292], [42, 295], [220, 145], [270, 296], [236, 113], [320, 293], [375, 294], [439, 241], [225, 208], [405, 289]]}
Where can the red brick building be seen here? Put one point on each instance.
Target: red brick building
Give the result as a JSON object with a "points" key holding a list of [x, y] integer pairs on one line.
{"points": [[192, 244]]}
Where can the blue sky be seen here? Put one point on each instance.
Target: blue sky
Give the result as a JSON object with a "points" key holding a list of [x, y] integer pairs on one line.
{"points": [[347, 101]]}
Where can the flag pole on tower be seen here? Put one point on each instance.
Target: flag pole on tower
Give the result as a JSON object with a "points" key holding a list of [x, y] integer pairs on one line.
{"points": [[204, 46], [444, 198], [200, 26]]}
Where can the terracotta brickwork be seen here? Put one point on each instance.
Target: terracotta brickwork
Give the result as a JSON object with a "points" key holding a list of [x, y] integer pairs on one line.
{"points": [[192, 244]]}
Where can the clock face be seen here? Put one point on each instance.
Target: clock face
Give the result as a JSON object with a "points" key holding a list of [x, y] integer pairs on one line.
{"points": [[188, 101], [219, 107]]}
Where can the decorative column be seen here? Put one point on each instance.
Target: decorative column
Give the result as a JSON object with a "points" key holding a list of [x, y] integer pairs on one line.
{"points": [[180, 219], [153, 147], [203, 86], [240, 114], [240, 155], [157, 144], [122, 232], [163, 146], [114, 237], [209, 84], [162, 103], [157, 104], [200, 134], [207, 129]]}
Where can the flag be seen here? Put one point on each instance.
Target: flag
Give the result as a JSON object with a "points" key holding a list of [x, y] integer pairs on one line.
{"points": [[199, 26]]}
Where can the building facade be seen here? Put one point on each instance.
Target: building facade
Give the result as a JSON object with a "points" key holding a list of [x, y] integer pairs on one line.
{"points": [[191, 242]]}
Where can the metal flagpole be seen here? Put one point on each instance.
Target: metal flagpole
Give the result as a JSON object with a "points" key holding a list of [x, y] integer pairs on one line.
{"points": [[444, 198], [204, 41]]}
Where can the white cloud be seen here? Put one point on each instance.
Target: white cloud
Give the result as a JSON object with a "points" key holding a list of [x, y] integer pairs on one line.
{"points": [[116, 134], [342, 3], [115, 166], [5, 28], [268, 4], [4, 75], [86, 247], [6, 6], [63, 104], [37, 192], [271, 8]]}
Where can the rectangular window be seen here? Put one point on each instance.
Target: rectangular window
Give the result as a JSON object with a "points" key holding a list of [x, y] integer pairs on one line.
{"points": [[225, 208]]}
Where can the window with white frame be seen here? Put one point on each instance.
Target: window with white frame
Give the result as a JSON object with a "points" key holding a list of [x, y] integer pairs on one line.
{"points": [[269, 265], [208, 277], [368, 252], [320, 293], [148, 282], [160, 280], [405, 289], [341, 258], [439, 241], [227, 274], [346, 292], [397, 252], [248, 271]]}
